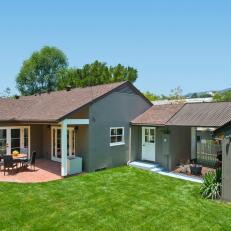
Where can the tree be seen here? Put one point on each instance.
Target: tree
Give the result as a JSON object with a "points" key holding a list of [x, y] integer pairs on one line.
{"points": [[94, 74], [6, 93], [39, 73], [151, 96], [222, 97], [176, 93]]}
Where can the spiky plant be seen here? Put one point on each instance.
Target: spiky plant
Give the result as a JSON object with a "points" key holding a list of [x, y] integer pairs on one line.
{"points": [[212, 185]]}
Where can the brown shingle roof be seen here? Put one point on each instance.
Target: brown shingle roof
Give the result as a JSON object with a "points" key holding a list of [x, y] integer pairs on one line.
{"points": [[158, 114], [203, 115], [52, 106]]}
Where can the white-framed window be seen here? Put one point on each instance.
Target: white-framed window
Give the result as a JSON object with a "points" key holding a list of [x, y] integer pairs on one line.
{"points": [[116, 136]]}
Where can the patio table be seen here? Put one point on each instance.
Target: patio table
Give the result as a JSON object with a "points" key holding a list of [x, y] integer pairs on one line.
{"points": [[20, 158]]}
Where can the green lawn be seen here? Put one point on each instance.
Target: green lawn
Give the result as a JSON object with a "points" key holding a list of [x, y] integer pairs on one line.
{"points": [[116, 199]]}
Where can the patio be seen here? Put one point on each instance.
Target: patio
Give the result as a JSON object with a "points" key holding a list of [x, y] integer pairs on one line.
{"points": [[45, 170]]}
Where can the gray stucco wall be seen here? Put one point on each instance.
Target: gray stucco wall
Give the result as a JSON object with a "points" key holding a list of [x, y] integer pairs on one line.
{"points": [[180, 145], [136, 142], [115, 110], [226, 169], [173, 144], [161, 145]]}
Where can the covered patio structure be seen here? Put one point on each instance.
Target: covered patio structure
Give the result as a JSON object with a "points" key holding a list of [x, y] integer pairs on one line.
{"points": [[175, 134]]}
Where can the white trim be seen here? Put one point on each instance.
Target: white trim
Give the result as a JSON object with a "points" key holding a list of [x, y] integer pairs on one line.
{"points": [[117, 143], [8, 137], [147, 154], [75, 121], [70, 130]]}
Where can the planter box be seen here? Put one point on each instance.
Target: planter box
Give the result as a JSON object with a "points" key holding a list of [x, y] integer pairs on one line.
{"points": [[74, 165]]}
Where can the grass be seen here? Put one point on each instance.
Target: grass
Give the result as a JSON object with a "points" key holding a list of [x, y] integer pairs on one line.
{"points": [[117, 199]]}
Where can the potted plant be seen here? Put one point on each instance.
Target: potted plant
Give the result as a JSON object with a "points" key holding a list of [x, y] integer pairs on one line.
{"points": [[15, 153], [195, 169]]}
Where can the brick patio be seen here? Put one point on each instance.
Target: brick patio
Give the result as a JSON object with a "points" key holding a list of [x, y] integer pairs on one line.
{"points": [[45, 170]]}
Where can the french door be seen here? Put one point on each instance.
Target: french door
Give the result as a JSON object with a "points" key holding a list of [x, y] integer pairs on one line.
{"points": [[56, 143], [14, 139], [148, 143]]}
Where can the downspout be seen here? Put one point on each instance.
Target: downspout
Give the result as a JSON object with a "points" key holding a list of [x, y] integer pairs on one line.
{"points": [[129, 144]]}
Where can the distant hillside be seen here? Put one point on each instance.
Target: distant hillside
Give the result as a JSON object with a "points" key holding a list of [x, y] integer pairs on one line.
{"points": [[205, 94]]}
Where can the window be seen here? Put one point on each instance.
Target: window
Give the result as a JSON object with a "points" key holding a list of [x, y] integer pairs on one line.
{"points": [[149, 135], [116, 136], [26, 138]]}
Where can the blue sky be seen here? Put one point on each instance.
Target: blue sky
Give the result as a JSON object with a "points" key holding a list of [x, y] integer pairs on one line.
{"points": [[171, 43]]}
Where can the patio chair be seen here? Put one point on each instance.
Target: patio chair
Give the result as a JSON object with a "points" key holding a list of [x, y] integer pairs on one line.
{"points": [[31, 161], [9, 163], [24, 151]]}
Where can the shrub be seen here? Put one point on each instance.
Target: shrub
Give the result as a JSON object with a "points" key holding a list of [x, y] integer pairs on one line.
{"points": [[212, 185]]}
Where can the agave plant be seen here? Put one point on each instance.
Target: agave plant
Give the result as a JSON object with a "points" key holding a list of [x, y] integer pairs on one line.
{"points": [[212, 185]]}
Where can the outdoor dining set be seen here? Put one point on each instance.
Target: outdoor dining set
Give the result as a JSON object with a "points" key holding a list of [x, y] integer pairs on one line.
{"points": [[17, 161]]}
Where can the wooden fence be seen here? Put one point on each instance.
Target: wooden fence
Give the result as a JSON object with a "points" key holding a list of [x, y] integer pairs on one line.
{"points": [[207, 153]]}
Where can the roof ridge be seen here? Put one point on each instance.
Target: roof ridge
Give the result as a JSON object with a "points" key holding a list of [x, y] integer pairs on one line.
{"points": [[75, 88], [182, 105]]}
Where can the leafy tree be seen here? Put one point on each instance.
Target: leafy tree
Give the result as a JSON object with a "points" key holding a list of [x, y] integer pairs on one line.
{"points": [[94, 74], [151, 96], [222, 97], [39, 73], [176, 93], [217, 97], [6, 93]]}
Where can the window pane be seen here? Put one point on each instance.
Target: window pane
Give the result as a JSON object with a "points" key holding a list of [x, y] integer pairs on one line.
{"points": [[146, 131], [25, 132], [2, 133], [119, 131], [113, 139], [25, 142], [59, 143], [119, 138], [152, 139], [2, 141], [146, 139], [15, 133], [152, 132], [113, 132], [15, 143]]}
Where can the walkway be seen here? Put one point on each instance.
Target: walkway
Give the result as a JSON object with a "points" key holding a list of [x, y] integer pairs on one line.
{"points": [[157, 169]]}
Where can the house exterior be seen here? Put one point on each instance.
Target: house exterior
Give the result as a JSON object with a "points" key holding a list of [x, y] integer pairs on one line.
{"points": [[110, 125], [91, 122], [176, 133]]}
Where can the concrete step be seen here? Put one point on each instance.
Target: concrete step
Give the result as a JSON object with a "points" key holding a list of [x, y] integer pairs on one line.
{"points": [[143, 165], [158, 169]]}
